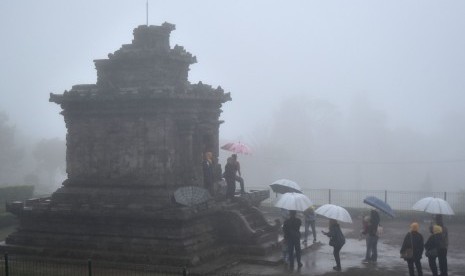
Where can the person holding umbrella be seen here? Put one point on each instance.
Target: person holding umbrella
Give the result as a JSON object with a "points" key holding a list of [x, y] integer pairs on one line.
{"points": [[442, 250], [291, 230], [438, 207], [373, 223], [293, 202], [372, 237], [336, 237], [237, 174], [336, 240], [432, 246]]}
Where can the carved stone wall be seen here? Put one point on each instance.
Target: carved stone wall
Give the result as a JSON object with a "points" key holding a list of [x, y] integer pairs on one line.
{"points": [[143, 124], [133, 138]]}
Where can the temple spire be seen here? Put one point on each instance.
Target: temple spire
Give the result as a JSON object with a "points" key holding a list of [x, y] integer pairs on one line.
{"points": [[147, 12]]}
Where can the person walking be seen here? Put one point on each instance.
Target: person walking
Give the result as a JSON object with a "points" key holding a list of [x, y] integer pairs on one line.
{"points": [[336, 240], [291, 230], [372, 238], [412, 249], [432, 246], [309, 216]]}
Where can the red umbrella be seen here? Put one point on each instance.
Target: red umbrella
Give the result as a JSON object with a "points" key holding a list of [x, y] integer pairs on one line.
{"points": [[237, 148]]}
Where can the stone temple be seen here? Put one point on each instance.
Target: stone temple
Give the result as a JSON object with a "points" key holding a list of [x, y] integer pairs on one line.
{"points": [[133, 139]]}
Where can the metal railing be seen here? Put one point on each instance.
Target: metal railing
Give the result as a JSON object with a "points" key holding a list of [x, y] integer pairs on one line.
{"points": [[398, 200], [16, 265]]}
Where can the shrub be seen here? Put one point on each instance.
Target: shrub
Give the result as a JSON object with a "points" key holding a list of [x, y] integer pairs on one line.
{"points": [[13, 193]]}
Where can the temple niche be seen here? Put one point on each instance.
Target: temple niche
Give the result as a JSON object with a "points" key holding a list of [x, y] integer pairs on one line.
{"points": [[133, 139]]}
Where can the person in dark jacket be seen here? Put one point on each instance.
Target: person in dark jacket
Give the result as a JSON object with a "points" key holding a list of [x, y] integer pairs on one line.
{"points": [[336, 240], [291, 228], [434, 243], [413, 240], [230, 177], [207, 166], [372, 237], [442, 252], [238, 175]]}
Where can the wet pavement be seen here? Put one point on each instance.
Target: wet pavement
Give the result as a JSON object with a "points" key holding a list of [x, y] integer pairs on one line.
{"points": [[319, 260]]}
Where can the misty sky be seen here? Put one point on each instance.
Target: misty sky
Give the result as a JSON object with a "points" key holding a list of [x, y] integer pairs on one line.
{"points": [[406, 58]]}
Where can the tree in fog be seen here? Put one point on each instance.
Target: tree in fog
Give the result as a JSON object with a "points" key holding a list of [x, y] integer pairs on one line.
{"points": [[300, 129], [10, 154]]}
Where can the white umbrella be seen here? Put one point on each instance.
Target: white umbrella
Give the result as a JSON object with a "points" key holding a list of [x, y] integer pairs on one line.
{"points": [[334, 212], [433, 205], [283, 186], [294, 201]]}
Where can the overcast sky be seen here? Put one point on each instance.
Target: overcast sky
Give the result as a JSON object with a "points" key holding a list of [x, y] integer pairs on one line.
{"points": [[406, 57]]}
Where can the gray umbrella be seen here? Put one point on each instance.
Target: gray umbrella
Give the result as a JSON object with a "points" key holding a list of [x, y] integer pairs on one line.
{"points": [[191, 195]]}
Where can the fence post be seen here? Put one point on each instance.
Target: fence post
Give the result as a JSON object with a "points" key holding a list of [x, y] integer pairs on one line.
{"points": [[184, 271], [89, 266], [329, 196], [6, 265], [385, 196], [445, 196]]}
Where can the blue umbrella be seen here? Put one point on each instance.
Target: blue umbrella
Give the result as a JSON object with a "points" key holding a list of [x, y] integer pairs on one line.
{"points": [[380, 205]]}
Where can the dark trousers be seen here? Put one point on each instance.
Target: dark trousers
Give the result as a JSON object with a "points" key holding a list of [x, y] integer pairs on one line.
{"points": [[411, 270], [230, 188], [433, 266], [372, 248], [442, 259], [336, 250], [241, 182], [308, 224], [293, 244]]}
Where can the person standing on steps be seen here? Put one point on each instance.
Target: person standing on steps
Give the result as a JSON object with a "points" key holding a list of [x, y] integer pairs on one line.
{"points": [[207, 166], [238, 175], [230, 177]]}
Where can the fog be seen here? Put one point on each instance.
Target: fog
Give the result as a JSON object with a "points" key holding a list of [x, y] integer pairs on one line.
{"points": [[339, 94]]}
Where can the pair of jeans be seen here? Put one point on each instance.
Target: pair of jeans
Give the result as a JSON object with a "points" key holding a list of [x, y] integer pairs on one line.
{"points": [[230, 188], [372, 248], [308, 224], [417, 263], [241, 182], [293, 245]]}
